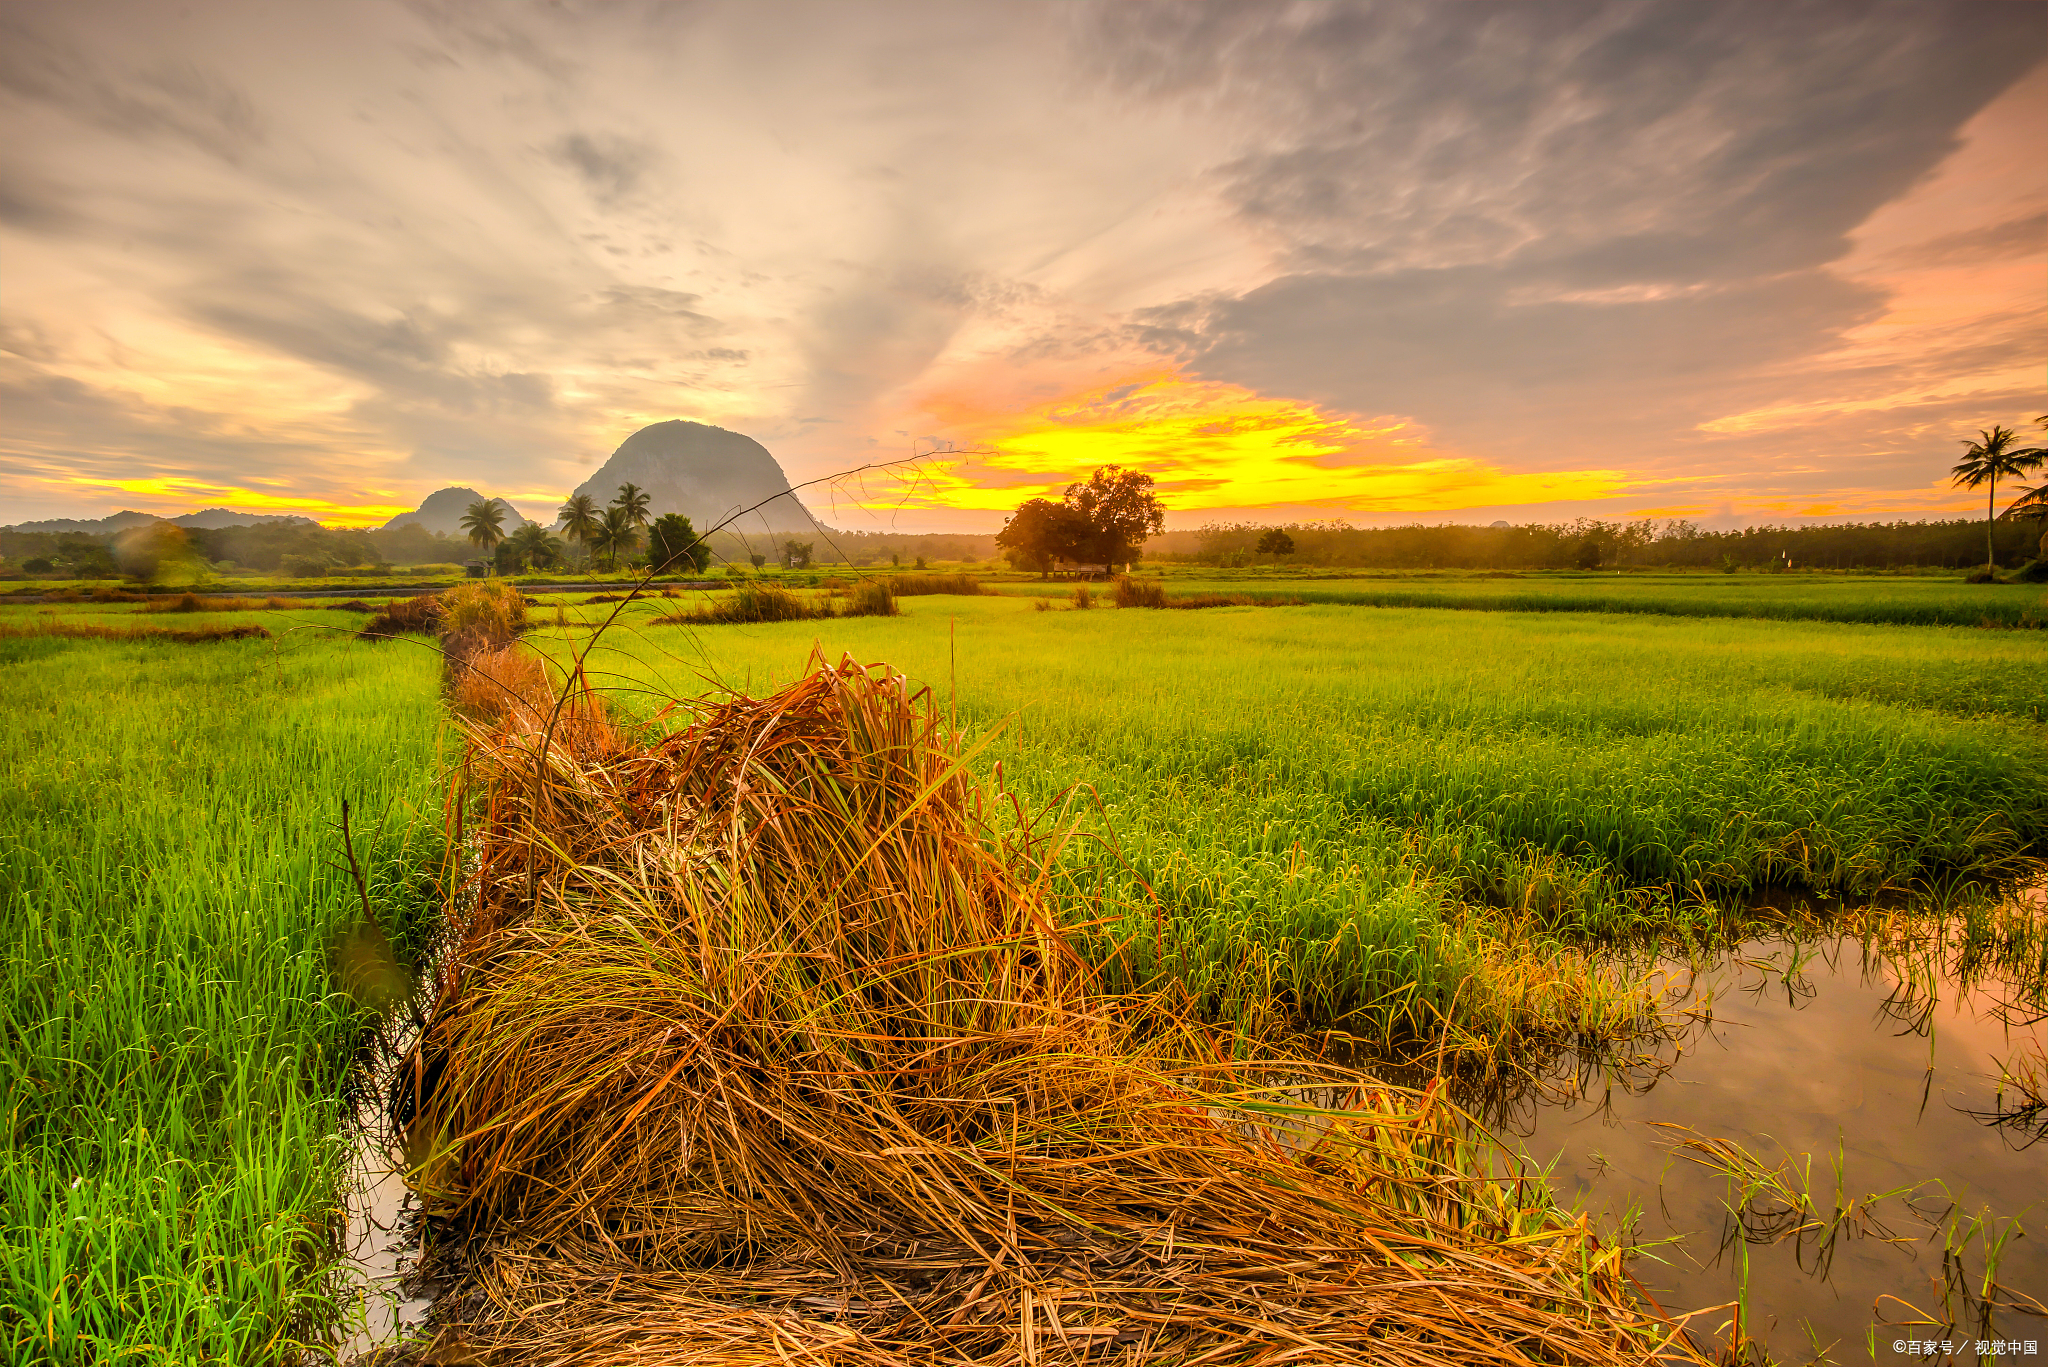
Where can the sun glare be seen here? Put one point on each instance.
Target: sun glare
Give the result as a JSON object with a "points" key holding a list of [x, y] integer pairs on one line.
{"points": [[1213, 445]]}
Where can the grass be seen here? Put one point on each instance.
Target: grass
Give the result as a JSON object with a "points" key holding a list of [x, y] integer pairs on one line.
{"points": [[759, 1044], [172, 1049], [116, 631], [1377, 822], [1901, 600]]}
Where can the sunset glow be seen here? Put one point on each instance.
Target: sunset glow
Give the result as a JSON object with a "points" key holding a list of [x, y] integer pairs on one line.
{"points": [[1211, 445]]}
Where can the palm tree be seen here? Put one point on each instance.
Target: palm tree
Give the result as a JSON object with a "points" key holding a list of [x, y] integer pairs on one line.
{"points": [[533, 546], [485, 523], [633, 502], [615, 536], [579, 518], [1985, 462]]}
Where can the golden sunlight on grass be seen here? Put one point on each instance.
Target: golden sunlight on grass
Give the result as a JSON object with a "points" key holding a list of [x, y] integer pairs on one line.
{"points": [[1221, 445]]}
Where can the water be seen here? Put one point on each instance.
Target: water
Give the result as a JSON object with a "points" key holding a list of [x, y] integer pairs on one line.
{"points": [[382, 1243], [1816, 1058]]}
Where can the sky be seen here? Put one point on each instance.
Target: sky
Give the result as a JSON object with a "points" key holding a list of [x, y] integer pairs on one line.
{"points": [[1734, 261]]}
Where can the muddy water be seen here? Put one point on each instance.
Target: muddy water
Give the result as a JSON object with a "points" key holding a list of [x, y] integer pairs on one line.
{"points": [[1816, 1058], [382, 1239]]}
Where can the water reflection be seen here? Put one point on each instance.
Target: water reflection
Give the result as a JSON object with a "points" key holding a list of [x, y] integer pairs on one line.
{"points": [[1836, 1143]]}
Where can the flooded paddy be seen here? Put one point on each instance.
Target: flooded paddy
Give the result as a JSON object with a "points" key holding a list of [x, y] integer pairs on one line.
{"points": [[1828, 1150]]}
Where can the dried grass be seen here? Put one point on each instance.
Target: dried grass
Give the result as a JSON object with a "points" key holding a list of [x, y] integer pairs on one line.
{"points": [[420, 616], [100, 631], [759, 1044]]}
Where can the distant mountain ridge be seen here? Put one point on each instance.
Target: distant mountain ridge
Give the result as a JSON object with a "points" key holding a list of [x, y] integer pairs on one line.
{"points": [[443, 509], [208, 519]]}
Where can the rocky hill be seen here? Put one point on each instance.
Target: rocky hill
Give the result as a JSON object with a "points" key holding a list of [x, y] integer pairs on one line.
{"points": [[703, 472], [442, 512]]}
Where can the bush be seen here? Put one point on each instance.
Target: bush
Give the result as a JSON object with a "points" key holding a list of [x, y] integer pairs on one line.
{"points": [[2033, 572], [489, 610], [871, 598], [417, 616], [1139, 593], [302, 566], [752, 603], [913, 585], [1083, 598]]}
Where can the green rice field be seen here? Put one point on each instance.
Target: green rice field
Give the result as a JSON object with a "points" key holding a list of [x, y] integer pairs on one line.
{"points": [[1905, 600], [173, 1044], [1362, 814], [1374, 820]]}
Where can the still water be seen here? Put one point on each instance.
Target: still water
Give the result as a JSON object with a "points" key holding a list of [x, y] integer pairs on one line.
{"points": [[1870, 1083]]}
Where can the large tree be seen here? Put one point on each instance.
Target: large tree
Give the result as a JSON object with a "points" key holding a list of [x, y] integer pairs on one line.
{"points": [[1121, 510], [1041, 532], [1992, 457], [615, 536], [632, 501], [673, 545], [579, 518], [531, 546], [484, 520], [1276, 543]]}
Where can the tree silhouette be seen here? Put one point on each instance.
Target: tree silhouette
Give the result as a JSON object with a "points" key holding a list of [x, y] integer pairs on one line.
{"points": [[579, 518], [485, 522], [1275, 543], [1042, 531], [1987, 460], [633, 502], [1121, 510]]}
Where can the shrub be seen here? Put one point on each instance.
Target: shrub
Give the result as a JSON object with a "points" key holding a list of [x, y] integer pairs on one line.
{"points": [[752, 603], [1139, 593], [416, 616], [1082, 598], [491, 610], [302, 566], [914, 585], [871, 598]]}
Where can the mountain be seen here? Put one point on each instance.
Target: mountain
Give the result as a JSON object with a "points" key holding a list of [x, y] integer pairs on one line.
{"points": [[443, 510], [703, 472], [208, 518]]}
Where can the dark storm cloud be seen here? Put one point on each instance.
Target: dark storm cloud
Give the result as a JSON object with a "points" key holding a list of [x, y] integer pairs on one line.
{"points": [[1486, 204]]}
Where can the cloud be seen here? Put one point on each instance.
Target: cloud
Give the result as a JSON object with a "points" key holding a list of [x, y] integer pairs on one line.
{"points": [[610, 167], [415, 244], [1603, 223]]}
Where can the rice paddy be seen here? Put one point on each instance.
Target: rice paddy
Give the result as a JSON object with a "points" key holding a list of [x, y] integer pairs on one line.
{"points": [[175, 1043], [720, 1045]]}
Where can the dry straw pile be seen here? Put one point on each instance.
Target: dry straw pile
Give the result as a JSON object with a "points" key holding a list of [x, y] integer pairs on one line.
{"points": [[759, 1045]]}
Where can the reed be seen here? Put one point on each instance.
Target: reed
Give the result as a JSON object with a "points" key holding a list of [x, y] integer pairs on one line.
{"points": [[761, 1044]]}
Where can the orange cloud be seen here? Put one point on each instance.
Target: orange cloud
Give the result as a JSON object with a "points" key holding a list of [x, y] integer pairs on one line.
{"points": [[177, 495], [1212, 445]]}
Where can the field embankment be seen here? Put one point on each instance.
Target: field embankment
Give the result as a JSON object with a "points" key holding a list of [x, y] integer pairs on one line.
{"points": [[174, 1045]]}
